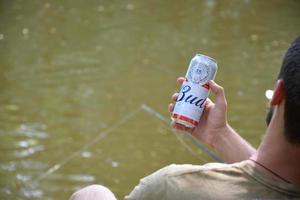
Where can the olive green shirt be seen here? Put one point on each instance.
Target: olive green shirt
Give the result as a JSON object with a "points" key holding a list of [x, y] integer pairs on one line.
{"points": [[212, 181]]}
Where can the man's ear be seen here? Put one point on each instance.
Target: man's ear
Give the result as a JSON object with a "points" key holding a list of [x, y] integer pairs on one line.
{"points": [[279, 93]]}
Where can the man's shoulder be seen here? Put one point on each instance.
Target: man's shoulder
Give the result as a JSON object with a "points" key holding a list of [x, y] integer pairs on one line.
{"points": [[175, 170], [211, 181], [181, 170], [166, 182]]}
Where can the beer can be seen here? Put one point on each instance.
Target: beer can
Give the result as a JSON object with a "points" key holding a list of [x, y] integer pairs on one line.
{"points": [[194, 91]]}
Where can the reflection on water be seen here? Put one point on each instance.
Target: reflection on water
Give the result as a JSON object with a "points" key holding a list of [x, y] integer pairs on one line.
{"points": [[70, 72], [29, 151], [35, 132]]}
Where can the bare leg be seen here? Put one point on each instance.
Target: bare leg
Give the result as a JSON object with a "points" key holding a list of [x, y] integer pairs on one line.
{"points": [[93, 192]]}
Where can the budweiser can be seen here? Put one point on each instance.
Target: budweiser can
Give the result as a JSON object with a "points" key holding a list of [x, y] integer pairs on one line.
{"points": [[194, 91]]}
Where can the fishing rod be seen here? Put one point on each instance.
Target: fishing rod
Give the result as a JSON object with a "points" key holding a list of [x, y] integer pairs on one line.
{"points": [[122, 121]]}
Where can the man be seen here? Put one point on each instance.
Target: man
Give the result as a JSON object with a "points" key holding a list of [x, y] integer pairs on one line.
{"points": [[270, 172]]}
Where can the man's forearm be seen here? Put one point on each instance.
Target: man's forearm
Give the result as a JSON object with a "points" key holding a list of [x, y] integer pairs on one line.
{"points": [[232, 147]]}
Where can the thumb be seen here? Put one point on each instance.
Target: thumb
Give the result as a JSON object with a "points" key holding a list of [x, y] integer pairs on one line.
{"points": [[219, 93]]}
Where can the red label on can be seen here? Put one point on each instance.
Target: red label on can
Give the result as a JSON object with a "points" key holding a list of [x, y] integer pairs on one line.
{"points": [[184, 118]]}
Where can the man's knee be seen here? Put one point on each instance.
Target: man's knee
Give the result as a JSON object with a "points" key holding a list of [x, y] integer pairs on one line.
{"points": [[93, 192]]}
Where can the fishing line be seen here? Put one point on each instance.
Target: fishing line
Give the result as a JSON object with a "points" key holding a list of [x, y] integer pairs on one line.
{"points": [[100, 136]]}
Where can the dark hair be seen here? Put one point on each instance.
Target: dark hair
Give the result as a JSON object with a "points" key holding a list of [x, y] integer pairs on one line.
{"points": [[290, 74]]}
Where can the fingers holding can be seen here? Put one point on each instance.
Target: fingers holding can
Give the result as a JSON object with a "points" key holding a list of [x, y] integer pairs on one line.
{"points": [[171, 107], [180, 80], [174, 97]]}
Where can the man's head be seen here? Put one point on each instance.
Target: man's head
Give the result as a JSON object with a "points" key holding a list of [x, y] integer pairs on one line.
{"points": [[290, 74]]}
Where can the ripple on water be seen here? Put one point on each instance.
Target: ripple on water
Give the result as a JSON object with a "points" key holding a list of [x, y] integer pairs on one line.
{"points": [[25, 164], [11, 166], [29, 151], [81, 178], [32, 193], [33, 130], [27, 143], [86, 154], [23, 178], [31, 144], [72, 177], [5, 191], [32, 164]]}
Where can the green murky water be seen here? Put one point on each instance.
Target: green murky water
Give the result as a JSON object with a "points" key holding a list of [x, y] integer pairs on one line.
{"points": [[74, 75]]}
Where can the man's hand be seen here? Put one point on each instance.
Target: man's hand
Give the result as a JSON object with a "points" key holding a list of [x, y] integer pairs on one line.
{"points": [[213, 128], [213, 120]]}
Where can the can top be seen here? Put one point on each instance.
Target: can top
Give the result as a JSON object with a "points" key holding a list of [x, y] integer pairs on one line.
{"points": [[209, 58]]}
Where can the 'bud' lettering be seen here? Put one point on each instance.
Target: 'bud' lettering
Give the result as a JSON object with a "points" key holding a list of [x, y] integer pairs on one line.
{"points": [[184, 96]]}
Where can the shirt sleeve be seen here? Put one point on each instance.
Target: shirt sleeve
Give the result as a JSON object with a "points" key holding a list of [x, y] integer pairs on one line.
{"points": [[152, 187]]}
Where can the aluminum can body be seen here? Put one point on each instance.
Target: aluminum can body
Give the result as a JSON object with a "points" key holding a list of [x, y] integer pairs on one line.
{"points": [[194, 91]]}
